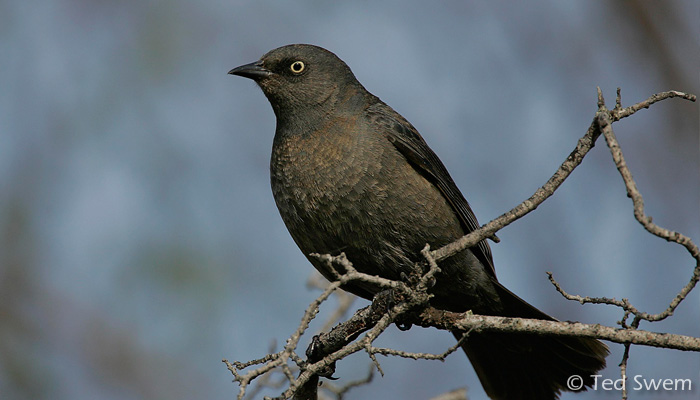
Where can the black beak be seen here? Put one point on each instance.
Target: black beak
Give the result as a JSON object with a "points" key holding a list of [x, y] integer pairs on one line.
{"points": [[254, 71]]}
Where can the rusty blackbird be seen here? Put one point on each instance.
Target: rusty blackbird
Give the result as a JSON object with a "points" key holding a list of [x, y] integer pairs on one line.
{"points": [[349, 174]]}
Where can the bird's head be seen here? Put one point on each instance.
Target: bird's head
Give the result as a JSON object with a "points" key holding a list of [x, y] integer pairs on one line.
{"points": [[300, 77]]}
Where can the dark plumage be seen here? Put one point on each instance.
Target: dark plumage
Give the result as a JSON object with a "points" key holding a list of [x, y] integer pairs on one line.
{"points": [[349, 174]]}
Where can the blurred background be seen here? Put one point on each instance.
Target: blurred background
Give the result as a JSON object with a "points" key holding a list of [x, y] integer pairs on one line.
{"points": [[139, 242]]}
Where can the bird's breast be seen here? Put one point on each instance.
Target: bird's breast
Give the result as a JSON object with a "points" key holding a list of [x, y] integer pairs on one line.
{"points": [[318, 175]]}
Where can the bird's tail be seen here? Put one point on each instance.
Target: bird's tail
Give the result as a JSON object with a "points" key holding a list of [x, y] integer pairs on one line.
{"points": [[526, 366]]}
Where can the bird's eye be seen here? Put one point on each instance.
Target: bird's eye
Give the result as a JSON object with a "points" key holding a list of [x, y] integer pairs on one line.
{"points": [[297, 67]]}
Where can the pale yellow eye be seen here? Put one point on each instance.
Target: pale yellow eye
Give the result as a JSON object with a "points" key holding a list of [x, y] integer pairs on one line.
{"points": [[297, 67]]}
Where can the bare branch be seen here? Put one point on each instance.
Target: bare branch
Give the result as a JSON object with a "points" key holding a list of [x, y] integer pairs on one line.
{"points": [[584, 145], [583, 300], [605, 119], [418, 356], [605, 123], [623, 370], [314, 369], [345, 301], [482, 323], [618, 112]]}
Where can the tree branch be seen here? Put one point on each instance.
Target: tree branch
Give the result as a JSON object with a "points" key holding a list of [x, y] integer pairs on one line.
{"points": [[482, 323]]}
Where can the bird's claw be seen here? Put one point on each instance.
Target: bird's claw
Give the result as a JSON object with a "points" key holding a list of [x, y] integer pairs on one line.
{"points": [[403, 326]]}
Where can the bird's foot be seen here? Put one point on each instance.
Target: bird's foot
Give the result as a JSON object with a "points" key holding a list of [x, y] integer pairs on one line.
{"points": [[384, 301], [315, 353]]}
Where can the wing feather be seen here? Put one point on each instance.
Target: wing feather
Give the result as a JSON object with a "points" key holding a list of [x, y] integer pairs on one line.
{"points": [[411, 145]]}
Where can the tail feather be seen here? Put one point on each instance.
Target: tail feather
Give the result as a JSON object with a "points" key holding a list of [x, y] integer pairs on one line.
{"points": [[527, 366]]}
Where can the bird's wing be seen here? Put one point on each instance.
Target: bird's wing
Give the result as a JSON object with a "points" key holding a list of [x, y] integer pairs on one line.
{"points": [[409, 142]]}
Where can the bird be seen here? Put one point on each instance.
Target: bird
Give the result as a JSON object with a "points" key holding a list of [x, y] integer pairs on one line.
{"points": [[351, 175]]}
